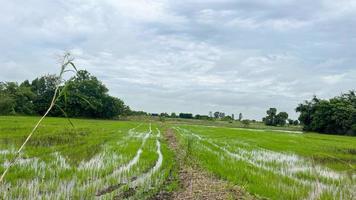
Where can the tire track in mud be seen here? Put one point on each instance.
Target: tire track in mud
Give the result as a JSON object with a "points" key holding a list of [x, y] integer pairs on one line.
{"points": [[314, 194], [158, 164], [124, 168], [66, 188], [317, 188], [140, 180]]}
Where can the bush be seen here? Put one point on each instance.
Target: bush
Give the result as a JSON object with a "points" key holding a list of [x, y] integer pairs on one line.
{"points": [[245, 122]]}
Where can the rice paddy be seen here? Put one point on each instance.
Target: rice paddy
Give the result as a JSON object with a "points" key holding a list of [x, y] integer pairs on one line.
{"points": [[101, 159], [274, 164]]}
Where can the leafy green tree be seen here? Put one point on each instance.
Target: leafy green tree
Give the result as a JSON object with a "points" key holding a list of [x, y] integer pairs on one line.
{"points": [[216, 114], [186, 115], [88, 97], [240, 116], [43, 88], [7, 104], [204, 117], [16, 99], [274, 119], [290, 121], [227, 118], [281, 118], [245, 122], [164, 114], [336, 115], [270, 119]]}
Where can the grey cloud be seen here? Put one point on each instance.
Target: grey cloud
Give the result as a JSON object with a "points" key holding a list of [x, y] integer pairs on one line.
{"points": [[190, 56]]}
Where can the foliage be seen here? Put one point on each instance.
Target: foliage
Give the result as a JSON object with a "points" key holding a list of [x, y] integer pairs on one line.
{"points": [[186, 115], [173, 115], [240, 117], [204, 117], [227, 118], [274, 119], [43, 88], [164, 114], [7, 104], [290, 121], [245, 122], [16, 99], [138, 113], [333, 116], [219, 115], [85, 96]]}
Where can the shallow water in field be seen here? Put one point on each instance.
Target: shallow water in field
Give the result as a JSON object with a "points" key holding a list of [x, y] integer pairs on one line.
{"points": [[107, 160], [319, 178]]}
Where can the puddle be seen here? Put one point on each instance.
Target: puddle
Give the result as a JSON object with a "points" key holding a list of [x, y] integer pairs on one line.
{"points": [[289, 165], [142, 179]]}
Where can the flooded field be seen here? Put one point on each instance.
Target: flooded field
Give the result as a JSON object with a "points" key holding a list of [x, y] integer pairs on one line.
{"points": [[109, 160], [274, 164], [98, 159]]}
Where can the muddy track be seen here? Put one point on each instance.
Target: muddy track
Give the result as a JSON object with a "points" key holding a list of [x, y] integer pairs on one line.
{"points": [[195, 184]]}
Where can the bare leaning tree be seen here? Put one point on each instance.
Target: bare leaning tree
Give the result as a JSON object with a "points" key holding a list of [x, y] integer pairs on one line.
{"points": [[67, 65]]}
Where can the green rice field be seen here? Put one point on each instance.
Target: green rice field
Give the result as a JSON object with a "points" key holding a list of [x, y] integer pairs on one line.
{"points": [[102, 159]]}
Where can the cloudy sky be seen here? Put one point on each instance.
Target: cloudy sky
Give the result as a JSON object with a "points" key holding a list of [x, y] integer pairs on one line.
{"points": [[189, 56]]}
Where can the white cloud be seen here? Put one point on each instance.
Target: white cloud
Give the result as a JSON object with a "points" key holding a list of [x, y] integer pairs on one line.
{"points": [[162, 55], [333, 79]]}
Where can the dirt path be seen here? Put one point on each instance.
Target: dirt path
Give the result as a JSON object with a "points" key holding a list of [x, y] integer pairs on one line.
{"points": [[197, 184]]}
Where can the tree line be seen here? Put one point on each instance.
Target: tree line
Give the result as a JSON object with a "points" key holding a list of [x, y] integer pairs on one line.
{"points": [[86, 96], [334, 116]]}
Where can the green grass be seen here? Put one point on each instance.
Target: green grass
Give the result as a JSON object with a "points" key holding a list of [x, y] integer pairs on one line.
{"points": [[275, 164], [65, 162]]}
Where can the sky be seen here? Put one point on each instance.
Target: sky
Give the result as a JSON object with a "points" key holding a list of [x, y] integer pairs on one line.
{"points": [[189, 56]]}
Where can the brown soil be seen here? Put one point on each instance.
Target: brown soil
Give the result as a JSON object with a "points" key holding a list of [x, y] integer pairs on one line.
{"points": [[197, 184]]}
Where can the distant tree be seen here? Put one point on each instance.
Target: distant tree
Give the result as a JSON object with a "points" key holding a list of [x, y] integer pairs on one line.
{"points": [[227, 118], [274, 119], [164, 114], [281, 118], [186, 115], [270, 119], [216, 114], [204, 117], [138, 113], [296, 122], [245, 122], [233, 116], [221, 115], [290, 121], [173, 115], [240, 116]]}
